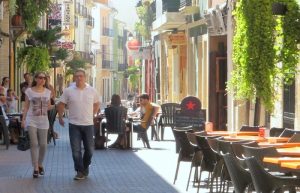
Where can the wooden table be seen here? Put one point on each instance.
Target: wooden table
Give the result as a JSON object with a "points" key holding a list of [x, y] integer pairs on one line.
{"points": [[285, 162], [237, 133], [291, 151], [278, 145], [257, 138]]}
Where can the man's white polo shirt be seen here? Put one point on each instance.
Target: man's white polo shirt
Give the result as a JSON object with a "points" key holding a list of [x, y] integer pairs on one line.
{"points": [[80, 104]]}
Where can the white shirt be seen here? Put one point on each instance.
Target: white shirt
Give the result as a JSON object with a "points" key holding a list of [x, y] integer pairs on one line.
{"points": [[37, 115], [80, 104]]}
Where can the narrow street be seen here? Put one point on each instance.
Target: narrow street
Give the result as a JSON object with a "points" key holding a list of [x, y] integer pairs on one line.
{"points": [[112, 171]]}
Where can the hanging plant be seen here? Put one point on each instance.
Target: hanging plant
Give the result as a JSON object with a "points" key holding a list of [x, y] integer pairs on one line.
{"points": [[260, 42], [34, 59], [32, 10], [289, 53], [146, 16], [133, 76]]}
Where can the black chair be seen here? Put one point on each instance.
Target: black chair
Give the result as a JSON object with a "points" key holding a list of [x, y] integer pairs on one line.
{"points": [[209, 159], [196, 159], [264, 182], [186, 151], [295, 138], [167, 117], [250, 128], [115, 120], [276, 131], [240, 178], [260, 152], [288, 132], [4, 130], [238, 149], [51, 117]]}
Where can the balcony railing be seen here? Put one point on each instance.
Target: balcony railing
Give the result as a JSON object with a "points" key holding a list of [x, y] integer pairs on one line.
{"points": [[153, 8], [184, 3], [171, 5], [107, 32], [106, 64], [121, 67], [90, 21]]}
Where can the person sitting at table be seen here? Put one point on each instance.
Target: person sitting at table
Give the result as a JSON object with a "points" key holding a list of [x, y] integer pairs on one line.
{"points": [[121, 141], [11, 101], [148, 112]]}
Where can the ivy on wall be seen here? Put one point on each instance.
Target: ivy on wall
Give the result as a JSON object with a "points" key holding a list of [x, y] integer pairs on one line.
{"points": [[261, 43]]}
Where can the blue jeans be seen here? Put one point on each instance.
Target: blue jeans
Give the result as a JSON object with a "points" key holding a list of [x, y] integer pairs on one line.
{"points": [[84, 133]]}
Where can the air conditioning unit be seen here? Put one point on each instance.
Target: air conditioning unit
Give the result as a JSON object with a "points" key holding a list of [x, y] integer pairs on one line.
{"points": [[216, 20]]}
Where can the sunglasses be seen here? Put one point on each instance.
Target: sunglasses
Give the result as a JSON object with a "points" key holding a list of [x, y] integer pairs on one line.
{"points": [[41, 77]]}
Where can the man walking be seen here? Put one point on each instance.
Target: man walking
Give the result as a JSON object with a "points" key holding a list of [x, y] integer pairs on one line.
{"points": [[83, 103]]}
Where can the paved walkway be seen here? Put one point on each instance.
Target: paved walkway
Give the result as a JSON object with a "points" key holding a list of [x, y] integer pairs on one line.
{"points": [[112, 171]]}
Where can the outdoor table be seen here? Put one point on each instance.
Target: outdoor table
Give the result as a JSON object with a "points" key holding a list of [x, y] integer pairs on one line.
{"points": [[257, 138], [237, 133], [284, 162], [278, 145], [291, 151]]}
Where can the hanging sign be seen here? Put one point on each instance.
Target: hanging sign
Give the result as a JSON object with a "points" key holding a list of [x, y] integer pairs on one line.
{"points": [[177, 39]]}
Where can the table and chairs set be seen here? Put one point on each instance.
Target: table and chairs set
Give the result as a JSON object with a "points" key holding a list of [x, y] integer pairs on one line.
{"points": [[243, 160]]}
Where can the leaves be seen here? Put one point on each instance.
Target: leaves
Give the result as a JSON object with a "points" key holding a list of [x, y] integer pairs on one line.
{"points": [[36, 59], [261, 40], [32, 10]]}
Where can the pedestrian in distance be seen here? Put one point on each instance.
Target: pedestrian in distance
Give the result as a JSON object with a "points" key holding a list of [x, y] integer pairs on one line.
{"points": [[24, 85], [35, 120], [83, 103]]}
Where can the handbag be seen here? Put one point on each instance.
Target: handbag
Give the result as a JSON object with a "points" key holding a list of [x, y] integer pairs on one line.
{"points": [[24, 142]]}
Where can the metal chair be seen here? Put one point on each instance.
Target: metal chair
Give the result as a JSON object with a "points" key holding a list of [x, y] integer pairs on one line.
{"points": [[4, 129], [167, 117]]}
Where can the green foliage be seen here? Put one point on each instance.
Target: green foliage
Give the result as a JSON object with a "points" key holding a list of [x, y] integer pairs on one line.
{"points": [[146, 16], [47, 37], [260, 42], [32, 10], [134, 76], [61, 54], [12, 6], [290, 55], [34, 59], [75, 64]]}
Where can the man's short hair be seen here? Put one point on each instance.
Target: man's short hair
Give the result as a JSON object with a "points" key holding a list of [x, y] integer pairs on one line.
{"points": [[80, 70], [25, 74], [144, 96]]}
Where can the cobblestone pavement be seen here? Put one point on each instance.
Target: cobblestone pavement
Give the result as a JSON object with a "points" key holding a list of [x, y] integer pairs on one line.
{"points": [[138, 170]]}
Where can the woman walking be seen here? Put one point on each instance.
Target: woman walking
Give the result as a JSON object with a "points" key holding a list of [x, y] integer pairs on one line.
{"points": [[35, 120]]}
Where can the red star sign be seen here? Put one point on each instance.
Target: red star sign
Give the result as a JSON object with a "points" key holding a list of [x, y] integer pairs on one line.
{"points": [[190, 105]]}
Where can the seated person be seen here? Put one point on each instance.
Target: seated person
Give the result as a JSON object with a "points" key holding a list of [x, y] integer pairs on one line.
{"points": [[148, 113], [121, 141]]}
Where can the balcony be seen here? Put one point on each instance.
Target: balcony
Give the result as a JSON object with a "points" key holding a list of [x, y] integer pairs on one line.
{"points": [[189, 7], [122, 67], [90, 21], [106, 64], [169, 17], [107, 32], [171, 5]]}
